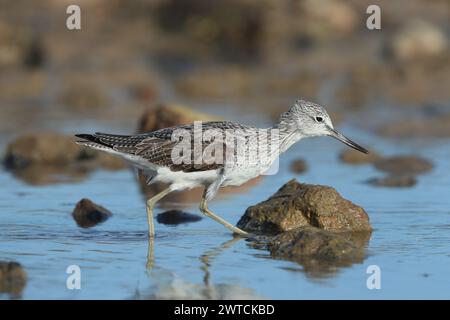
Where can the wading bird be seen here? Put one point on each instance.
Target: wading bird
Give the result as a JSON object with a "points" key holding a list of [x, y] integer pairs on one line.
{"points": [[239, 152]]}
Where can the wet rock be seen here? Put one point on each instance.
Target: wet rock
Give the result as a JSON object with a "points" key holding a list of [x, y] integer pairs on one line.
{"points": [[168, 115], [41, 148], [42, 174], [417, 39], [313, 243], [174, 217], [48, 157], [394, 181], [88, 214], [438, 127], [352, 156], [13, 278], [404, 165], [297, 205], [298, 166]]}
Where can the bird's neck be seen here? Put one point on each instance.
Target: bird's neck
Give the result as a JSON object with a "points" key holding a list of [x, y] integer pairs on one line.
{"points": [[287, 136]]}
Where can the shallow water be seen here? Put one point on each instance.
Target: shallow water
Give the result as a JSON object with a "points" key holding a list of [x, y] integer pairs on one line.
{"points": [[410, 242]]}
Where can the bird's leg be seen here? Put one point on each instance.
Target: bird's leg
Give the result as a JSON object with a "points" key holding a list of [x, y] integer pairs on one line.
{"points": [[204, 209], [150, 204]]}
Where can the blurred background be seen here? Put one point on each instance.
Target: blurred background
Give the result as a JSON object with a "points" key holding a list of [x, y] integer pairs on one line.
{"points": [[141, 65], [257, 55]]}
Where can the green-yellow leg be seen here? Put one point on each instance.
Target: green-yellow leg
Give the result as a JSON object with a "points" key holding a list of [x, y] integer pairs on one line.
{"points": [[204, 209], [150, 205], [151, 227]]}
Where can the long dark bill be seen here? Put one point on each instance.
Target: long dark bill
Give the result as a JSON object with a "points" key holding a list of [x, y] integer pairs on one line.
{"points": [[339, 136]]}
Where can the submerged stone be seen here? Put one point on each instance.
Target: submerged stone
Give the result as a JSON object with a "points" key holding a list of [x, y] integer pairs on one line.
{"points": [[404, 165], [311, 242], [394, 181], [174, 217]]}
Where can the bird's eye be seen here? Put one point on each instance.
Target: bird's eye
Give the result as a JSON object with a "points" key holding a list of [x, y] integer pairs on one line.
{"points": [[319, 119]]}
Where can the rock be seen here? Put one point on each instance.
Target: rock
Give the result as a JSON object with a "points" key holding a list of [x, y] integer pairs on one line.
{"points": [[321, 253], [314, 243], [400, 181], [41, 148], [88, 214], [169, 115], [352, 156], [42, 174], [436, 127], [297, 205], [48, 157], [13, 278], [417, 39], [404, 165], [174, 217], [298, 166]]}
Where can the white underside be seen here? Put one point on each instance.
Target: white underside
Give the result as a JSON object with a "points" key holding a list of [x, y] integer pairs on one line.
{"points": [[179, 180]]}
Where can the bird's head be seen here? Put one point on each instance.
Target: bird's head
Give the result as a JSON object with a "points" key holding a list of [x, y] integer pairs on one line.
{"points": [[312, 120]]}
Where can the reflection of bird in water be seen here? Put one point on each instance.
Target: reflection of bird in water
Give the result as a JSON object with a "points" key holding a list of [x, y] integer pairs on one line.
{"points": [[210, 255], [169, 286], [221, 153]]}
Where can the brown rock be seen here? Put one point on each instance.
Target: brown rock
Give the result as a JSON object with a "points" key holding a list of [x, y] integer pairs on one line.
{"points": [[311, 242], [404, 165], [88, 214], [42, 174], [41, 148], [46, 158], [13, 278], [352, 156], [402, 181], [299, 166], [321, 253], [297, 205]]}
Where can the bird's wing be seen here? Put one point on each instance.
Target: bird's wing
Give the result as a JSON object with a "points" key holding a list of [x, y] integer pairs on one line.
{"points": [[157, 146]]}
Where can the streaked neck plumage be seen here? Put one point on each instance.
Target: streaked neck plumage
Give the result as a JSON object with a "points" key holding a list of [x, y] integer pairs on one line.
{"points": [[288, 133]]}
